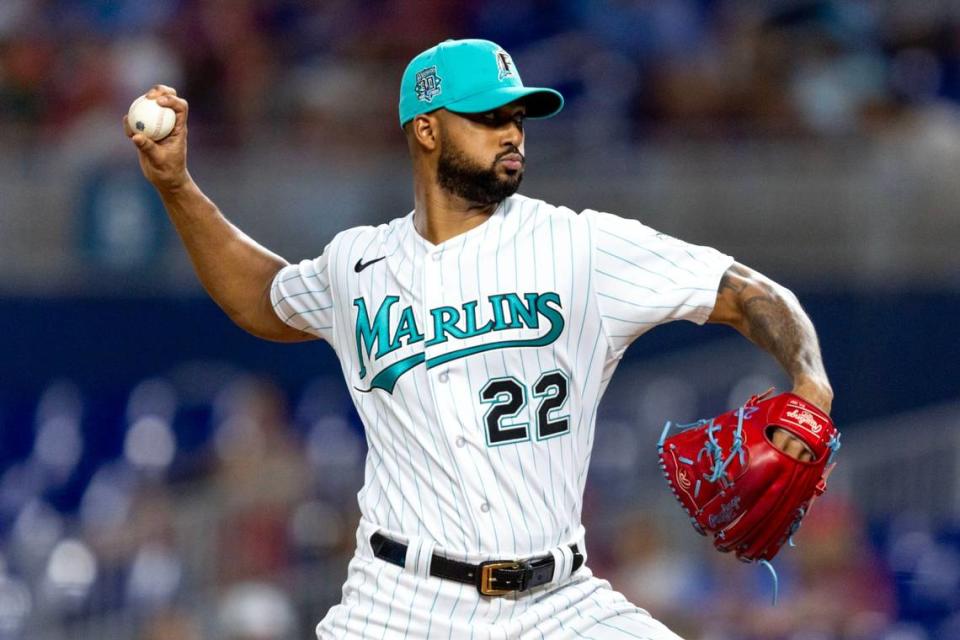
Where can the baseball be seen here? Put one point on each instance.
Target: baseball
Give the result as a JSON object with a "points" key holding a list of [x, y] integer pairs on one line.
{"points": [[150, 119]]}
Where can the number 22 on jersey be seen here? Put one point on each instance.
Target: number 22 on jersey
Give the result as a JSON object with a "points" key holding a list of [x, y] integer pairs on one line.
{"points": [[508, 397]]}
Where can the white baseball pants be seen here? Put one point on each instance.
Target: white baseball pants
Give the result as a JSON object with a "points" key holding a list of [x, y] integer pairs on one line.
{"points": [[382, 600]]}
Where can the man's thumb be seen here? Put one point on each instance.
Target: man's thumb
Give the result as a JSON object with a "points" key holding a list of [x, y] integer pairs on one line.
{"points": [[145, 145]]}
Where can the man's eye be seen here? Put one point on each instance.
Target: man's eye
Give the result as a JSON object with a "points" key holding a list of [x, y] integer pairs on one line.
{"points": [[497, 119]]}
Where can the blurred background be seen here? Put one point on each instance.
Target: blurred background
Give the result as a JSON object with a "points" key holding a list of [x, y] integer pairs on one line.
{"points": [[165, 476]]}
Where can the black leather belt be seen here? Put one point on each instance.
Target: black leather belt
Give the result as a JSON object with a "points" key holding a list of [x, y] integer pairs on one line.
{"points": [[492, 578]]}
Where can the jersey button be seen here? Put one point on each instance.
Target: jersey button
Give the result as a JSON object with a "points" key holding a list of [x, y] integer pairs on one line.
{"points": [[461, 441], [437, 256], [443, 377], [485, 507]]}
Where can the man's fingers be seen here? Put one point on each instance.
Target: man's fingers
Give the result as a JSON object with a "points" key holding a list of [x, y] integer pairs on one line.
{"points": [[791, 445], [796, 449], [179, 106], [158, 90], [779, 439], [126, 127]]}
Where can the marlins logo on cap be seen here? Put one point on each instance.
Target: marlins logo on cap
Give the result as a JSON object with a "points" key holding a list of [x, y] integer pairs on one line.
{"points": [[505, 64]]}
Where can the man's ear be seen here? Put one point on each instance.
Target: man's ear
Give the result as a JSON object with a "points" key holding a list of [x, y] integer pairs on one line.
{"points": [[425, 131]]}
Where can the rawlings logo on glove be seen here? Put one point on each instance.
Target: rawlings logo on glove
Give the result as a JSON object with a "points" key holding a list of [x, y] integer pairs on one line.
{"points": [[736, 485]]}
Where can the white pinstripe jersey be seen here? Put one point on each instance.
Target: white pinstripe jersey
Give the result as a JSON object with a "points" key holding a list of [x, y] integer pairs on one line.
{"points": [[477, 364]]}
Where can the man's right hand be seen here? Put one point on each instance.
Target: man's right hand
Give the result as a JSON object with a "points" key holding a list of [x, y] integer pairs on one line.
{"points": [[164, 162]]}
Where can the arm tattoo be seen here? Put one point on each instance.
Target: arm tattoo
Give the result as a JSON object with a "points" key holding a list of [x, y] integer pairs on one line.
{"points": [[776, 322], [729, 283]]}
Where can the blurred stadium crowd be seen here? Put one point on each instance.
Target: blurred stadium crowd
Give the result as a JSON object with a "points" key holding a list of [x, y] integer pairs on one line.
{"points": [[327, 72], [204, 501]]}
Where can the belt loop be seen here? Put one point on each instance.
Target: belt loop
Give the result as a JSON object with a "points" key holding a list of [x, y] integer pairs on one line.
{"points": [[419, 555], [426, 557], [413, 554], [563, 563]]}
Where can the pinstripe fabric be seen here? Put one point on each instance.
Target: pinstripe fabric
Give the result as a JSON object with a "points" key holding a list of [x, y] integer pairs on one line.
{"points": [[537, 295], [386, 601]]}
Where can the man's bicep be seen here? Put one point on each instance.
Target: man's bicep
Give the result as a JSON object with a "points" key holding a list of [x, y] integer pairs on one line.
{"points": [[738, 285], [727, 309]]}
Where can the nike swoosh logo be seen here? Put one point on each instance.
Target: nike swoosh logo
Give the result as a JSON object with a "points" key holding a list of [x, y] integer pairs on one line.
{"points": [[361, 265]]}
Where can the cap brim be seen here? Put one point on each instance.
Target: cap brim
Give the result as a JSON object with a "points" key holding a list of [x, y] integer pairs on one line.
{"points": [[540, 102]]}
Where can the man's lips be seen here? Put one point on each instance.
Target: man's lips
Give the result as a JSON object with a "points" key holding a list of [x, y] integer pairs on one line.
{"points": [[512, 161]]}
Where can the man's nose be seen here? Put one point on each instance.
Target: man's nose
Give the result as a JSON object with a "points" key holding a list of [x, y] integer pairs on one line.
{"points": [[512, 135]]}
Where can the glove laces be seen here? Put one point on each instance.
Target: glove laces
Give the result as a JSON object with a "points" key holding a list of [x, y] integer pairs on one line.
{"points": [[776, 580]]}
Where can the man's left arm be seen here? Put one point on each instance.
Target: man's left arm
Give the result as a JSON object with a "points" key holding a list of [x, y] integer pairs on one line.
{"points": [[771, 317]]}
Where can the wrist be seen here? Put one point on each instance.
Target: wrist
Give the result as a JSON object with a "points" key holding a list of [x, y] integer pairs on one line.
{"points": [[177, 187], [815, 389]]}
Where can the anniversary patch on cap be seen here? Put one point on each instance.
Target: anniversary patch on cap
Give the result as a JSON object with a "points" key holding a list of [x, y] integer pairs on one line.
{"points": [[428, 84]]}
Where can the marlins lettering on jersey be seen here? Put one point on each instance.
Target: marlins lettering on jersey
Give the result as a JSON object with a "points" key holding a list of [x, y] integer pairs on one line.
{"points": [[509, 311]]}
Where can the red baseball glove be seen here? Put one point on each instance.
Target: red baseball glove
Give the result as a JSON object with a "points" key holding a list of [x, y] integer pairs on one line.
{"points": [[735, 484]]}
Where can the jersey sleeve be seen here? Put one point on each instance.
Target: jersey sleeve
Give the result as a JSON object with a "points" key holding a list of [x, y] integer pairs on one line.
{"points": [[302, 297], [644, 278]]}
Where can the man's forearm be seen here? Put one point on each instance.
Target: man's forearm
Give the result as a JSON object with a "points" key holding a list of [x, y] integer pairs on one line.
{"points": [[234, 269], [771, 317]]}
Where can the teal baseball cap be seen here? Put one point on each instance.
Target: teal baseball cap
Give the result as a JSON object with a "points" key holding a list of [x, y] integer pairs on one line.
{"points": [[469, 76]]}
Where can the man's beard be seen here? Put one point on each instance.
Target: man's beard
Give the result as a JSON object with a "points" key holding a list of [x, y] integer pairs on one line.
{"points": [[459, 175]]}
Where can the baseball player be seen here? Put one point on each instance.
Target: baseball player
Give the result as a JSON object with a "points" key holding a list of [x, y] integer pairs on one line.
{"points": [[477, 334]]}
